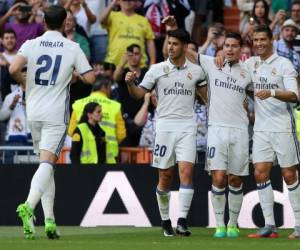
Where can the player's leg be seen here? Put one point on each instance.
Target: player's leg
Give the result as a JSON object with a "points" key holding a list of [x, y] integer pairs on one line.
{"points": [[164, 160], [218, 200], [263, 157], [185, 150], [235, 199], [238, 166], [290, 176], [186, 192]]}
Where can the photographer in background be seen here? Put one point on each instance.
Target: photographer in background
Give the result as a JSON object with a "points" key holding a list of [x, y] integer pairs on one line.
{"points": [[21, 26]]}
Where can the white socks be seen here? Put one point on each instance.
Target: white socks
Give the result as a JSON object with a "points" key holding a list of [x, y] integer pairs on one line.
{"points": [[48, 200], [186, 193], [294, 195], [163, 201], [218, 201], [235, 199], [266, 198], [39, 183]]}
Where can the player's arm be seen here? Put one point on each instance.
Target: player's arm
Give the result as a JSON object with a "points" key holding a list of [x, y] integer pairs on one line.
{"points": [[88, 77], [202, 93], [15, 69], [282, 95], [135, 91]]}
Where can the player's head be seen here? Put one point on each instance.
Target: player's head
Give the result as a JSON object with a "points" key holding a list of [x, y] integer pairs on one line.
{"points": [[102, 84], [92, 112], [232, 46], [134, 55], [55, 16], [9, 40], [262, 41], [177, 43]]}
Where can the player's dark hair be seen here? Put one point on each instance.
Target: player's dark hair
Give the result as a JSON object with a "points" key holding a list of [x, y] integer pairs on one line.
{"points": [[236, 36], [181, 34], [264, 29], [55, 16], [131, 47], [8, 31], [88, 109], [101, 82], [297, 2]]}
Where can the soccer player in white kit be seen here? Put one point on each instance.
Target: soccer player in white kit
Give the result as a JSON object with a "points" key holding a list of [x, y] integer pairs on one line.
{"points": [[275, 88], [227, 157], [51, 60], [175, 82]]}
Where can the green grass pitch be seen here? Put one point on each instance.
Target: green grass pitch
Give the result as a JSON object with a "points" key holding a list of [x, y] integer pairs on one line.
{"points": [[123, 238]]}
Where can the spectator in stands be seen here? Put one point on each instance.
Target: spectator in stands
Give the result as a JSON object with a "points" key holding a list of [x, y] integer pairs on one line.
{"points": [[88, 140], [37, 14], [125, 28], [284, 47], [7, 83], [245, 7], [295, 16], [21, 25], [246, 52], [146, 117], [215, 40], [98, 35], [13, 110], [260, 16], [83, 14], [130, 106], [112, 121], [71, 34]]}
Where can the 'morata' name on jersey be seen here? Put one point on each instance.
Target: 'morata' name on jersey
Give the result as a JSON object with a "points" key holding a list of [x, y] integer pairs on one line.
{"points": [[275, 73], [226, 93], [51, 60], [175, 90]]}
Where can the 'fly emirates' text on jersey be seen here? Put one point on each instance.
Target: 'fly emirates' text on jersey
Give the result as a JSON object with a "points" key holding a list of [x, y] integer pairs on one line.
{"points": [[51, 59], [226, 93], [175, 89], [275, 73]]}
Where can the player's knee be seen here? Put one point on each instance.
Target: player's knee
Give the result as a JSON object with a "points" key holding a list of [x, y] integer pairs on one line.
{"points": [[289, 175], [261, 175], [235, 181], [219, 179], [165, 179]]}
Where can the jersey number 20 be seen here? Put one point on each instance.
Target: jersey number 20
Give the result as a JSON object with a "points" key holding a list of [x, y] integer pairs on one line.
{"points": [[47, 67]]}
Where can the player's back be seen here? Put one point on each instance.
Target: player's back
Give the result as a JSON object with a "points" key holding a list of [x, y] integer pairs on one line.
{"points": [[51, 60]]}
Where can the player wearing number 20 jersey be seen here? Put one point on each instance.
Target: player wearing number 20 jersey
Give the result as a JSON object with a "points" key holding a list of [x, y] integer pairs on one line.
{"points": [[51, 59]]}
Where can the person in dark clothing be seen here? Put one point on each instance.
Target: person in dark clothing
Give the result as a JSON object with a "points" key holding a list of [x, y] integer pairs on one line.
{"points": [[88, 141]]}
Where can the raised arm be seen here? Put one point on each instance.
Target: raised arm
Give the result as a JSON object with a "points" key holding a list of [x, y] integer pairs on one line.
{"points": [[135, 91], [90, 15], [104, 15]]}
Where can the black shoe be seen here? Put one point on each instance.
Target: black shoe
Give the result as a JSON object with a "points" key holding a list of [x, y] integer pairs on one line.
{"points": [[182, 228], [167, 228]]}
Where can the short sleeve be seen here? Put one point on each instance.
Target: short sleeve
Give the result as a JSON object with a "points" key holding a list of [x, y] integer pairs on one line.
{"points": [[149, 80], [290, 77], [81, 63], [25, 49]]}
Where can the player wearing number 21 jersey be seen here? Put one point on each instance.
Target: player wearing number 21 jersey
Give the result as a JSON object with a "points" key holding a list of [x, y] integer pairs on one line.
{"points": [[51, 60]]}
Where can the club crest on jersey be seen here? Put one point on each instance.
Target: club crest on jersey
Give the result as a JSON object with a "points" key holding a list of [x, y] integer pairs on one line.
{"points": [[166, 69], [189, 76], [273, 72]]}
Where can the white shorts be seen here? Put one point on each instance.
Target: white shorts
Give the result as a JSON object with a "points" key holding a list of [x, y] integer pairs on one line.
{"points": [[228, 150], [47, 136], [268, 145], [172, 147]]}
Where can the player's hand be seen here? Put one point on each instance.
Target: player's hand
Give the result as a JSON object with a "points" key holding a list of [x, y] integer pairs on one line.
{"points": [[130, 77], [170, 23], [219, 61], [263, 94]]}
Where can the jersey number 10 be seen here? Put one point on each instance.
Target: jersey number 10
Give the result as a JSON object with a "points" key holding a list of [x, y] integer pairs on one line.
{"points": [[47, 67]]}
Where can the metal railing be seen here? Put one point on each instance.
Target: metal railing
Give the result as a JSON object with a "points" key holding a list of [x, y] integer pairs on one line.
{"points": [[20, 154]]}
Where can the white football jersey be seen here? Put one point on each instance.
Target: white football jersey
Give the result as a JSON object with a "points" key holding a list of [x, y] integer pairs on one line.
{"points": [[276, 72], [51, 60], [175, 90], [226, 93]]}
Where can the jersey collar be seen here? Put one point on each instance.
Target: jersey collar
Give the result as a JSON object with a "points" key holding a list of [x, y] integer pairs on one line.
{"points": [[52, 33], [269, 59], [172, 66]]}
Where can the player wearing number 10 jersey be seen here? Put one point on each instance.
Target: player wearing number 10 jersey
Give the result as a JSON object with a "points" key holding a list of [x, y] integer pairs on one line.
{"points": [[51, 60]]}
